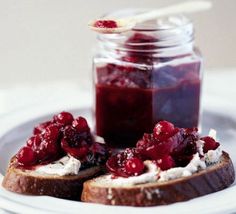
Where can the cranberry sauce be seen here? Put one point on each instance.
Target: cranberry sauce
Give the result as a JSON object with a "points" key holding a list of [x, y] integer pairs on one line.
{"points": [[63, 135], [140, 89], [167, 147], [124, 113], [105, 24]]}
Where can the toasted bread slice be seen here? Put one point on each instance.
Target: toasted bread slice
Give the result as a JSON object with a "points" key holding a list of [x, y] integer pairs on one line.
{"points": [[32, 183], [213, 178]]}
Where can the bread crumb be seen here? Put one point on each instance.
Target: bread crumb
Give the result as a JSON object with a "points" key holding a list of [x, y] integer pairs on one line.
{"points": [[157, 192], [148, 194], [151, 193], [113, 201], [109, 194]]}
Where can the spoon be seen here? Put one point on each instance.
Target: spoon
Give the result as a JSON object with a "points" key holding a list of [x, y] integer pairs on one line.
{"points": [[110, 25]]}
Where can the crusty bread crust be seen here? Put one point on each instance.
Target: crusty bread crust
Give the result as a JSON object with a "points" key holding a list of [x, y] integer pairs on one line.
{"points": [[212, 179], [31, 183]]}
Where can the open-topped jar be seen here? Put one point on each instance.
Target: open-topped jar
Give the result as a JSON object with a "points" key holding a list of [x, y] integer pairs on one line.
{"points": [[145, 75]]}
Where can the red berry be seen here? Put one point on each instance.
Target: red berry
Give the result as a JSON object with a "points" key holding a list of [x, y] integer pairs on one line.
{"points": [[41, 127], [140, 143], [166, 162], [210, 144], [105, 24], [70, 133], [26, 156], [47, 150], [34, 142], [49, 146], [134, 166], [80, 124], [77, 152], [163, 130], [151, 152], [42, 154], [112, 164], [64, 118], [146, 141], [51, 132]]}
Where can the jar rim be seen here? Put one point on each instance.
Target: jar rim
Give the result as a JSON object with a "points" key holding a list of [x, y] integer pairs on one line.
{"points": [[175, 35]]}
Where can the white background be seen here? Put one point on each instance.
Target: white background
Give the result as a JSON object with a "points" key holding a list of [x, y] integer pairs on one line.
{"points": [[48, 40]]}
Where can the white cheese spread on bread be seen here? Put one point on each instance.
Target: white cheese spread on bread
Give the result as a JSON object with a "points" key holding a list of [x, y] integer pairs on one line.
{"points": [[154, 173], [67, 165]]}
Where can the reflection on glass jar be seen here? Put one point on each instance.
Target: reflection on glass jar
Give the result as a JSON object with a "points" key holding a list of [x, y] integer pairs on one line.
{"points": [[142, 76]]}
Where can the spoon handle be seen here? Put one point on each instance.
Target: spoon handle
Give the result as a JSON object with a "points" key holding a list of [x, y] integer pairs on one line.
{"points": [[185, 7]]}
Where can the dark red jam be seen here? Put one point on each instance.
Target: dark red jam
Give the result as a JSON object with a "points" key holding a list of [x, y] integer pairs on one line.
{"points": [[105, 24], [167, 147], [136, 93], [63, 135]]}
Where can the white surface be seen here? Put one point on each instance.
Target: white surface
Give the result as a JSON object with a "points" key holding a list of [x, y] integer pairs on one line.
{"points": [[44, 40]]}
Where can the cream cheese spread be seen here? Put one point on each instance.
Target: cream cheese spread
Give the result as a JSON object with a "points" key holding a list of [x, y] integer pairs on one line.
{"points": [[67, 165]]}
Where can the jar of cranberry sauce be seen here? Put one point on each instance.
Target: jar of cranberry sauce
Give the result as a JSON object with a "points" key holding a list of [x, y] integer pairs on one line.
{"points": [[145, 75]]}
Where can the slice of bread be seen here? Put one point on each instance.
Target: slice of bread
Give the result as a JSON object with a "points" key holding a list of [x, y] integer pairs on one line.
{"points": [[32, 183], [213, 178]]}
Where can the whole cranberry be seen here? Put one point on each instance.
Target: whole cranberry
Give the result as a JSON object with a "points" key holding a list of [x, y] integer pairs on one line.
{"points": [[210, 144], [26, 156], [41, 127], [80, 124], [64, 118], [166, 162], [115, 165], [51, 132], [50, 147], [34, 141], [48, 151], [134, 166], [163, 130], [70, 133]]}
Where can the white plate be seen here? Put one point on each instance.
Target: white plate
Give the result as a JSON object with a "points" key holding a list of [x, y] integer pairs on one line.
{"points": [[15, 128]]}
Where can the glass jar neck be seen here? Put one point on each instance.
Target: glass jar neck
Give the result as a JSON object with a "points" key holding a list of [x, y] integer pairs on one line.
{"points": [[169, 37]]}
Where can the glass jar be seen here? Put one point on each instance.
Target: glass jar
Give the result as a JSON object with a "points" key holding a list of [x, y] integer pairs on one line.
{"points": [[142, 76]]}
